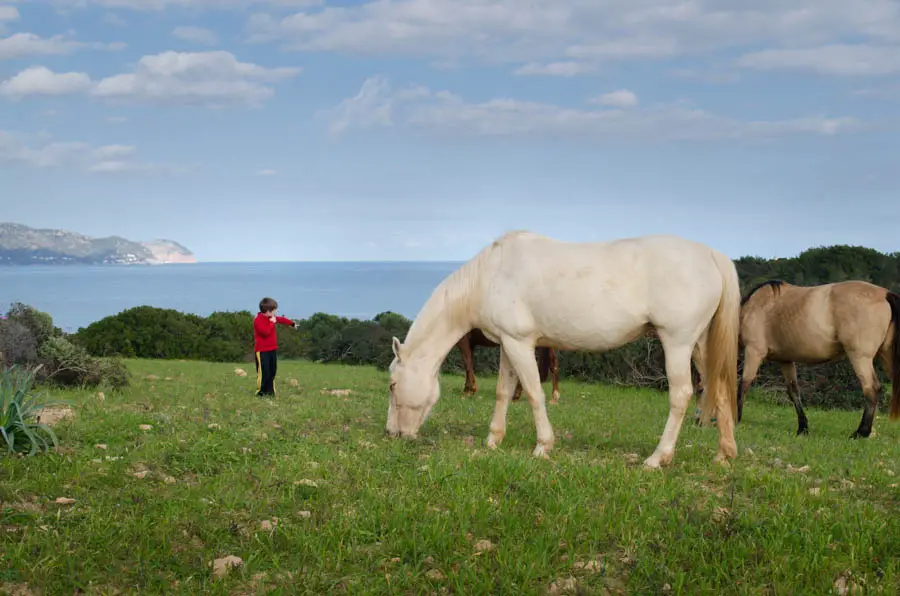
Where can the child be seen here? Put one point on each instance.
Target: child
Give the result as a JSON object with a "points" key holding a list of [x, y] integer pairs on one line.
{"points": [[266, 345]]}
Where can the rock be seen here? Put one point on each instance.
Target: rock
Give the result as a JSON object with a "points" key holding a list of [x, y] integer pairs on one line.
{"points": [[240, 372], [145, 427], [222, 566], [484, 546], [64, 501]]}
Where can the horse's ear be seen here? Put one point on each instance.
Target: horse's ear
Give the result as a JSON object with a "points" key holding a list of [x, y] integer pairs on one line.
{"points": [[395, 343]]}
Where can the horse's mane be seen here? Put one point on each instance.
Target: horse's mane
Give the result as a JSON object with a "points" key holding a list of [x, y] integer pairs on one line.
{"points": [[774, 283], [451, 301]]}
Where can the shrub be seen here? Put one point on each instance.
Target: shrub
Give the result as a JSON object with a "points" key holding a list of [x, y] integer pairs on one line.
{"points": [[20, 427], [68, 364], [17, 344]]}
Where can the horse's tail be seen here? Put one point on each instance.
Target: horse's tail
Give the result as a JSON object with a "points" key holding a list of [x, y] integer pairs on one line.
{"points": [[544, 363], [720, 391], [894, 300]]}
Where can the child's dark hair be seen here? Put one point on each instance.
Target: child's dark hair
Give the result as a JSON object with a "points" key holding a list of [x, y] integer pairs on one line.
{"points": [[267, 305]]}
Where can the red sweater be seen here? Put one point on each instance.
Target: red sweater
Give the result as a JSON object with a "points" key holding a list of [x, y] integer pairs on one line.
{"points": [[264, 335]]}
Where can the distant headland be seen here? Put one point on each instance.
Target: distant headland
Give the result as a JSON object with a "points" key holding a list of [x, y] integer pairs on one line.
{"points": [[22, 245]]}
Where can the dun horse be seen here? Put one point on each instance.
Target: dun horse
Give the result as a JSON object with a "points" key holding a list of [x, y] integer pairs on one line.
{"points": [[616, 291], [787, 324], [547, 363]]}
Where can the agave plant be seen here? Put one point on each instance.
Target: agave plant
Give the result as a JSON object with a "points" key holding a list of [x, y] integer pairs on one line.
{"points": [[20, 426]]}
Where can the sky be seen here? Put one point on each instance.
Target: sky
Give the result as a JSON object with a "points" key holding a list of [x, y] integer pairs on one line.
{"points": [[297, 130]]}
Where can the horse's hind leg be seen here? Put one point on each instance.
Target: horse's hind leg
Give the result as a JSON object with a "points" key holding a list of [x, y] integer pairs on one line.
{"points": [[872, 389], [521, 357], [554, 372], [506, 383], [752, 361], [789, 373], [678, 371]]}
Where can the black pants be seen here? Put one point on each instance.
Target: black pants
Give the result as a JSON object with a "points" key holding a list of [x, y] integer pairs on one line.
{"points": [[266, 367]]}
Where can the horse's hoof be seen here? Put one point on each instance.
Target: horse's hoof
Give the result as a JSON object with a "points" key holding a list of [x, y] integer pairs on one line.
{"points": [[803, 430], [722, 460], [541, 451], [493, 441], [652, 463], [859, 435]]}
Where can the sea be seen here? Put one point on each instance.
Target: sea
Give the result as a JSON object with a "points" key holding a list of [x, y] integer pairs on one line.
{"points": [[77, 295]]}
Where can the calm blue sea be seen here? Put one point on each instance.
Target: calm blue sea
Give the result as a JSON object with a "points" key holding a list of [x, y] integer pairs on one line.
{"points": [[78, 295]]}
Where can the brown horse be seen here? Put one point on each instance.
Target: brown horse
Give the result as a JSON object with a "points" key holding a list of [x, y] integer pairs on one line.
{"points": [[784, 323], [547, 363]]}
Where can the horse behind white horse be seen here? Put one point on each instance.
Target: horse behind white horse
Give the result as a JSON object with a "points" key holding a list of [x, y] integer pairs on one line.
{"points": [[613, 292]]}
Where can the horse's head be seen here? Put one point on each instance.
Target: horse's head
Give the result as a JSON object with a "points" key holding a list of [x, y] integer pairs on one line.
{"points": [[414, 390]]}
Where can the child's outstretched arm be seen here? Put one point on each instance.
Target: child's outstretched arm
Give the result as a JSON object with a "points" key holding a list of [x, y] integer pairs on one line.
{"points": [[285, 321]]}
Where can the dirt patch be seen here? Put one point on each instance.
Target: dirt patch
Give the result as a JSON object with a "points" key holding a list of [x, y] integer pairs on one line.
{"points": [[52, 416]]}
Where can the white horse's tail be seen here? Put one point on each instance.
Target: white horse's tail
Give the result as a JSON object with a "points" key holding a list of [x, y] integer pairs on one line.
{"points": [[720, 390]]}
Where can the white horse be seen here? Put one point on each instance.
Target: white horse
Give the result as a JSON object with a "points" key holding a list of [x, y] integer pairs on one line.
{"points": [[614, 292]]}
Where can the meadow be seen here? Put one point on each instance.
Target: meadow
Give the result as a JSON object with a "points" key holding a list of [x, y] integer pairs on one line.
{"points": [[156, 488]]}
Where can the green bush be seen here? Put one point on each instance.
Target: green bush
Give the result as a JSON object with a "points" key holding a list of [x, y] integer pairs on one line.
{"points": [[29, 338], [20, 428]]}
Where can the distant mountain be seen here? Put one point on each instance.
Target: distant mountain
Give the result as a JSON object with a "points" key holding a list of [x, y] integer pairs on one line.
{"points": [[21, 245]]}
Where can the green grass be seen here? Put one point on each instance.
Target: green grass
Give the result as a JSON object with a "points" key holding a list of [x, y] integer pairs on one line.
{"points": [[390, 516]]}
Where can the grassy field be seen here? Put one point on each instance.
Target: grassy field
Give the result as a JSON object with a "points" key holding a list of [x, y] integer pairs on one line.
{"points": [[314, 499]]}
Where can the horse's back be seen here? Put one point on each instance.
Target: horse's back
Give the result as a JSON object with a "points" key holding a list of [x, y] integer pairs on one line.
{"points": [[823, 322], [600, 292]]}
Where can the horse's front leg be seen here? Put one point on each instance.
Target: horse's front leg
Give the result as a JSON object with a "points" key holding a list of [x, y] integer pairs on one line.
{"points": [[506, 384], [521, 357]]}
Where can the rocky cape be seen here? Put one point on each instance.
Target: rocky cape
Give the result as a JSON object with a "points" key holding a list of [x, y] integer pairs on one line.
{"points": [[22, 245]]}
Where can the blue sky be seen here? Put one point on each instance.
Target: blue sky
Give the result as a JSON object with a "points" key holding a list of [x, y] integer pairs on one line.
{"points": [[422, 129]]}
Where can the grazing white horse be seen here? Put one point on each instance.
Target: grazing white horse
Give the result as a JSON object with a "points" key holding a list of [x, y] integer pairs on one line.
{"points": [[613, 292]]}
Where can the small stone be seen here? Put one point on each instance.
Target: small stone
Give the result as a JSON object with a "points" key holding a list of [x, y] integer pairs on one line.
{"points": [[141, 475], [213, 426], [484, 546], [100, 446], [64, 501], [145, 427], [222, 566], [304, 514], [100, 396]]}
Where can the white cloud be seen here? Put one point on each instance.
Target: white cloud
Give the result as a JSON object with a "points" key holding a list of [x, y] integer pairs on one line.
{"points": [[41, 151], [20, 45], [194, 78], [197, 35], [835, 59], [623, 98], [554, 69], [443, 113], [113, 19], [39, 80], [29, 44], [371, 107], [266, 172], [8, 13], [537, 33], [157, 5], [117, 119], [214, 79]]}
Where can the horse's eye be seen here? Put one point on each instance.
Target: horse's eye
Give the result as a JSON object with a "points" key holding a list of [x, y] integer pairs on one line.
{"points": [[394, 384]]}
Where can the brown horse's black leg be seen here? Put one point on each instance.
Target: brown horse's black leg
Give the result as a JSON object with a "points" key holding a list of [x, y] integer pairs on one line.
{"points": [[873, 391], [465, 349], [789, 372]]}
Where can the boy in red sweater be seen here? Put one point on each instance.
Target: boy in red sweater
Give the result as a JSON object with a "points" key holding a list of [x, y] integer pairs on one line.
{"points": [[266, 345]]}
